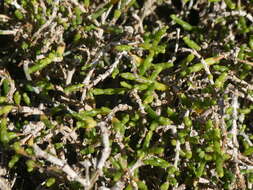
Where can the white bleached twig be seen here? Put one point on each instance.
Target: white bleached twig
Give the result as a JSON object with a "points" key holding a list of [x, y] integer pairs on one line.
{"points": [[120, 107], [239, 13], [103, 76], [120, 185], [107, 149], [202, 60], [105, 133], [135, 95], [8, 32], [60, 163], [4, 185], [240, 81], [69, 76], [4, 18], [77, 4], [37, 34], [234, 130], [177, 154]]}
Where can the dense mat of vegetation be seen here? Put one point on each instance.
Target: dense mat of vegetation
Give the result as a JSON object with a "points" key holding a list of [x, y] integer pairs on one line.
{"points": [[126, 94]]}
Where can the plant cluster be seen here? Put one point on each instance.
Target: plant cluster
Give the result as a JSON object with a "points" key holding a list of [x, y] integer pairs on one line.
{"points": [[126, 94]]}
